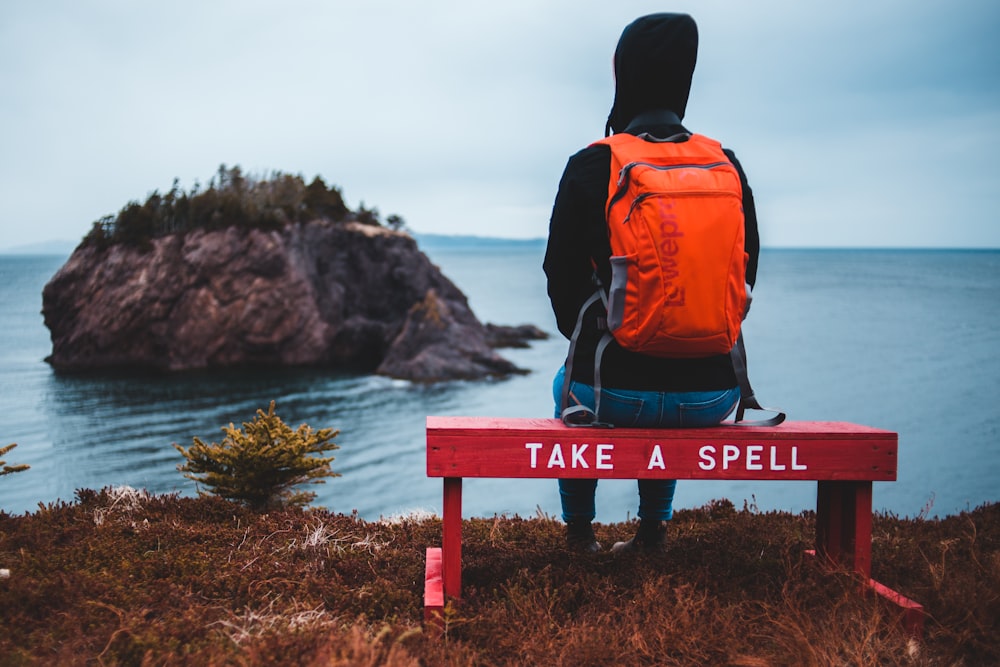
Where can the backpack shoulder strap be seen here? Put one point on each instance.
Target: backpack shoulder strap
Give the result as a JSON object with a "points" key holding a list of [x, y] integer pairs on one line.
{"points": [[747, 399], [581, 415]]}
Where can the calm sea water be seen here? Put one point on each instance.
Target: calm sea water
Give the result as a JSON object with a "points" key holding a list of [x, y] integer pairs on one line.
{"points": [[902, 340]]}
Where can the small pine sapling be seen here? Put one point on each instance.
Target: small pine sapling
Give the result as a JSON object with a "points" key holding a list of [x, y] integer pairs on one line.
{"points": [[6, 469], [260, 464]]}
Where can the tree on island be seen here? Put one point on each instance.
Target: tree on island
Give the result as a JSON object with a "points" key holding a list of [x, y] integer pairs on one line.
{"points": [[231, 199]]}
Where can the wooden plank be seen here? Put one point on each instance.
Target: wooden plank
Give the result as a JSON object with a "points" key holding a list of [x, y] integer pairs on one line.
{"points": [[912, 612], [433, 589], [545, 448], [829, 523], [451, 537], [789, 429], [844, 525], [861, 525]]}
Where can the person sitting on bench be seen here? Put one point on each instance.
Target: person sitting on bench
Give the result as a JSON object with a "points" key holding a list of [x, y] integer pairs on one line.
{"points": [[653, 66]]}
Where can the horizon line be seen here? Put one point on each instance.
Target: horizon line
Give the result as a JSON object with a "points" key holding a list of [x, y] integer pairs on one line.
{"points": [[65, 246]]}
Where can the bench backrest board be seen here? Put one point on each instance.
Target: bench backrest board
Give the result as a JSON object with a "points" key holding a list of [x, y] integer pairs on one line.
{"points": [[546, 448]]}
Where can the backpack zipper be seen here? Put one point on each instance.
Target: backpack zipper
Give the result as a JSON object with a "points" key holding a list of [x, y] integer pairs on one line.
{"points": [[627, 170]]}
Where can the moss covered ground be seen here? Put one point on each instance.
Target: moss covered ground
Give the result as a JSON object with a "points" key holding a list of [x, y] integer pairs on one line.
{"points": [[120, 577]]}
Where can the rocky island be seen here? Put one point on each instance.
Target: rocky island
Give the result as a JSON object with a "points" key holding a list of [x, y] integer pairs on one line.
{"points": [[173, 285]]}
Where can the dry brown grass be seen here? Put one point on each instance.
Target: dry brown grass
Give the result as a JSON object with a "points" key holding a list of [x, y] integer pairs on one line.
{"points": [[119, 577]]}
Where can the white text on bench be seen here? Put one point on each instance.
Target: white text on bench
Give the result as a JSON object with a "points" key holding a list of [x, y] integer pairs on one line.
{"points": [[577, 456], [583, 456], [731, 454]]}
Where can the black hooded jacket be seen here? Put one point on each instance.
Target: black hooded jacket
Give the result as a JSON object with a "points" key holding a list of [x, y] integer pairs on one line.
{"points": [[654, 62]]}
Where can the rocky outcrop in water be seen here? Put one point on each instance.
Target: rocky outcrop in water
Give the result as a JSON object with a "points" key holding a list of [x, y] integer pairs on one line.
{"points": [[347, 295]]}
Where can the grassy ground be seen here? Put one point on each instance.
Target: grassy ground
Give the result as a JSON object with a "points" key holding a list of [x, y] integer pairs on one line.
{"points": [[121, 578]]}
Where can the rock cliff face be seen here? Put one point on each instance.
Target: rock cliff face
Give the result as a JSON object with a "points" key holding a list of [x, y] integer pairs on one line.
{"points": [[345, 295]]}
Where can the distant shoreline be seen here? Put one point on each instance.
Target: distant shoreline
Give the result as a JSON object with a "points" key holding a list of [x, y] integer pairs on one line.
{"points": [[66, 248], [44, 248]]}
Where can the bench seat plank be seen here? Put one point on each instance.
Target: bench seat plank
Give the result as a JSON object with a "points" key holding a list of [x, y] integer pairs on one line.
{"points": [[546, 448]]}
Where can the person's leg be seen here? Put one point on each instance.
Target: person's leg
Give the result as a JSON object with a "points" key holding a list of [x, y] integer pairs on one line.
{"points": [[640, 409], [656, 499], [577, 499], [576, 495], [682, 410], [656, 496]]}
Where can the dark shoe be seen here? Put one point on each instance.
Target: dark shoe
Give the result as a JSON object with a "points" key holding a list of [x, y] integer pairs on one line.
{"points": [[580, 537], [651, 538]]}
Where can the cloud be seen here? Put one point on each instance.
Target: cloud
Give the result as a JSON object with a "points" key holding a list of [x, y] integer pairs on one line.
{"points": [[858, 123]]}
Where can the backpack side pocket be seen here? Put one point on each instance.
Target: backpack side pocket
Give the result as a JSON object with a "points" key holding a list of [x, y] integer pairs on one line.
{"points": [[616, 293]]}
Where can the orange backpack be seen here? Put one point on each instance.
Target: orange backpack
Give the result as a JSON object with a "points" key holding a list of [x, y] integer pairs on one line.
{"points": [[678, 263], [678, 258]]}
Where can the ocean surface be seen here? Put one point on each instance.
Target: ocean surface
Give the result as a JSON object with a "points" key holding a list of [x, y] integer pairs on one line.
{"points": [[902, 340]]}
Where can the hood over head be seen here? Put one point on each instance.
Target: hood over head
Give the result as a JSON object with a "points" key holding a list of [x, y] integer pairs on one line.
{"points": [[654, 62]]}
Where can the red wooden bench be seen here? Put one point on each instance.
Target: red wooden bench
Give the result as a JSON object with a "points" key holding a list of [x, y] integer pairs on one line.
{"points": [[844, 459]]}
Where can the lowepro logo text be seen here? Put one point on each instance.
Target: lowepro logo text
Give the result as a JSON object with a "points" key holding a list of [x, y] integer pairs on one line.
{"points": [[670, 235]]}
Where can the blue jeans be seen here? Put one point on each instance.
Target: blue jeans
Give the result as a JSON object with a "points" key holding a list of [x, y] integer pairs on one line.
{"points": [[641, 409]]}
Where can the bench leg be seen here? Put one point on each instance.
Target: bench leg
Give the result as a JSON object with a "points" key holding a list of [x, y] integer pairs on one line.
{"points": [[844, 538], [443, 570], [844, 524], [433, 591], [451, 537]]}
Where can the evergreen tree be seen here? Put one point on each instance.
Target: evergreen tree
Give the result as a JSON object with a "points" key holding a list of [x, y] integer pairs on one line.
{"points": [[260, 464], [232, 199]]}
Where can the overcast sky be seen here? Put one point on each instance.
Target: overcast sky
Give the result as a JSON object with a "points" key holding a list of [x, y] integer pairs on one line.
{"points": [[859, 122]]}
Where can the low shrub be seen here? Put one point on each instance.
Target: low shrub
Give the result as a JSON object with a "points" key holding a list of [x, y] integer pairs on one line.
{"points": [[260, 464]]}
